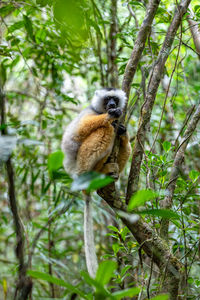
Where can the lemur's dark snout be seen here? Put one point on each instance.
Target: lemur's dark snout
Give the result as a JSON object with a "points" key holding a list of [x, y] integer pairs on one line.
{"points": [[111, 104]]}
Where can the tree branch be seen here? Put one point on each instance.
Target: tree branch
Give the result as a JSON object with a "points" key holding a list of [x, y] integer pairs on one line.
{"points": [[178, 160], [151, 243], [194, 29], [139, 46], [24, 284], [113, 45]]}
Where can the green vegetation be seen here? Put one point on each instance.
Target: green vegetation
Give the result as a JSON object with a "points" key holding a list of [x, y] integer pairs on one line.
{"points": [[53, 56]]}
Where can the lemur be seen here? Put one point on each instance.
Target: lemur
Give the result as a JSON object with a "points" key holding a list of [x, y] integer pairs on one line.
{"points": [[87, 144]]}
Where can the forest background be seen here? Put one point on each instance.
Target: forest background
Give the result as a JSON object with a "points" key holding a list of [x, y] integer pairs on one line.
{"points": [[53, 56]]}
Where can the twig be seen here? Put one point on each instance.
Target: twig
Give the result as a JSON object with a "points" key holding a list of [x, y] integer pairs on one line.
{"points": [[149, 280], [133, 15], [188, 116], [44, 228], [167, 92]]}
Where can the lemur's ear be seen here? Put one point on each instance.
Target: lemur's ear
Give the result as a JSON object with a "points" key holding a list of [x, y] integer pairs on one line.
{"points": [[97, 92]]}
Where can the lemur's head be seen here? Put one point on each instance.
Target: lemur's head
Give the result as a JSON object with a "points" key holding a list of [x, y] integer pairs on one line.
{"points": [[107, 98]]}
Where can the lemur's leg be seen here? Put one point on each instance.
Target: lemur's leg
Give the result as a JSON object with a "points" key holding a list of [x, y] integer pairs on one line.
{"points": [[107, 168], [97, 146], [124, 151]]}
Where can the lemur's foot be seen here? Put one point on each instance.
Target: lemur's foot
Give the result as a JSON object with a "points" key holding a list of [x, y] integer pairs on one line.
{"points": [[121, 129], [112, 169]]}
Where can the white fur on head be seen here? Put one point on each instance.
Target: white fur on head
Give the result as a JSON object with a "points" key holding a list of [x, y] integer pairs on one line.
{"points": [[97, 100]]}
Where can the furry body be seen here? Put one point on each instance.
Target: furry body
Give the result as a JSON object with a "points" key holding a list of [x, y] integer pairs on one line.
{"points": [[89, 138]]}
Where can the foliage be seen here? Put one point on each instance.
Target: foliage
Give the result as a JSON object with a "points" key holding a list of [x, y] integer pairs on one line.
{"points": [[54, 54]]}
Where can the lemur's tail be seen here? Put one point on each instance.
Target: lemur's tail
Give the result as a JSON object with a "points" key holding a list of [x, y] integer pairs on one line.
{"points": [[90, 253]]}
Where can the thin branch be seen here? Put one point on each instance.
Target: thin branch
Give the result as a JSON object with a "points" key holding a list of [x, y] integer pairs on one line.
{"points": [[139, 46], [194, 29], [167, 92], [133, 15], [113, 45], [178, 160], [44, 228], [24, 284], [188, 116]]}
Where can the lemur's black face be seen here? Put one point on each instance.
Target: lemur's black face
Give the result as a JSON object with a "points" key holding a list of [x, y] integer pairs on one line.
{"points": [[110, 102]]}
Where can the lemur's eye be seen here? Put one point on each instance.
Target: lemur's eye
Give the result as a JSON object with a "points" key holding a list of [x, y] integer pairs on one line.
{"points": [[116, 100], [106, 99]]}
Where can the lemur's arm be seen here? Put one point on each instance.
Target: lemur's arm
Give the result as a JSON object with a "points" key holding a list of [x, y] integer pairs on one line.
{"points": [[91, 123]]}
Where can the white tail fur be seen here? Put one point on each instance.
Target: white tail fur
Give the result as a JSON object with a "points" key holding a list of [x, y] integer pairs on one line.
{"points": [[90, 253]]}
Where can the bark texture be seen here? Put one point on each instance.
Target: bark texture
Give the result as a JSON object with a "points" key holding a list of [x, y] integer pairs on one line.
{"points": [[195, 31], [113, 46]]}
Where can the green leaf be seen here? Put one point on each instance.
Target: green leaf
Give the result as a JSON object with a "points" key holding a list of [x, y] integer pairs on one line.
{"points": [[166, 146], [43, 3], [90, 181], [124, 231], [105, 271], [163, 213], [194, 175], [125, 269], [6, 10], [126, 293], [16, 26], [99, 287], [28, 26], [55, 280], [140, 197], [161, 297], [116, 248], [113, 228], [55, 161], [196, 8]]}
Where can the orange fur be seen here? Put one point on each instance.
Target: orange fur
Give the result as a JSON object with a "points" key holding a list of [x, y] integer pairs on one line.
{"points": [[96, 135], [124, 152], [91, 123], [94, 148]]}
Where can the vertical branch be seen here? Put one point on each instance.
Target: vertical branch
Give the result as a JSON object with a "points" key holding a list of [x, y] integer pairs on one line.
{"points": [[50, 245], [24, 285], [113, 71], [98, 38], [147, 107], [168, 200], [139, 46], [100, 60], [195, 31]]}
